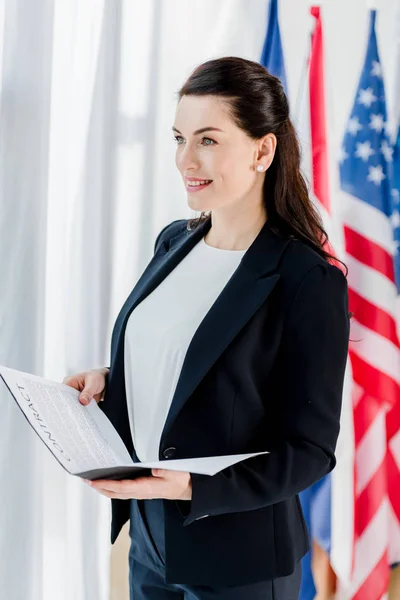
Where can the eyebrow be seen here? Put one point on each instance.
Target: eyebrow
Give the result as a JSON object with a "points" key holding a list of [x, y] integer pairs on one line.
{"points": [[202, 130]]}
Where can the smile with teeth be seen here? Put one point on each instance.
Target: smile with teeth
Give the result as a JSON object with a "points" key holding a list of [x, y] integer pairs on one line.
{"points": [[198, 182]]}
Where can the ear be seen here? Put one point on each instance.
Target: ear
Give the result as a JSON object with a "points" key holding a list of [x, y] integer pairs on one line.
{"points": [[266, 147]]}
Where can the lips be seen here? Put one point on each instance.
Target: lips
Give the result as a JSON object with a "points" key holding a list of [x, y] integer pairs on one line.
{"points": [[197, 188]]}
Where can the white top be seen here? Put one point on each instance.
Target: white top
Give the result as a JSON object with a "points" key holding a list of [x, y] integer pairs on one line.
{"points": [[157, 336]]}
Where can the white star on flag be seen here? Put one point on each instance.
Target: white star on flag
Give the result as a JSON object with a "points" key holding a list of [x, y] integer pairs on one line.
{"points": [[376, 68], [394, 249], [367, 97], [342, 154], [388, 131], [354, 126], [396, 196], [387, 151], [395, 218], [364, 150], [376, 174], [377, 122]]}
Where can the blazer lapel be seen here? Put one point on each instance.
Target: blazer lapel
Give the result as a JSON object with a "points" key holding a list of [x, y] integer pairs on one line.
{"points": [[163, 262], [249, 286]]}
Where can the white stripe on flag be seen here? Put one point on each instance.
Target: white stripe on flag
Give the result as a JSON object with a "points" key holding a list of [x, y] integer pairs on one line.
{"points": [[367, 221], [370, 547], [368, 463], [372, 285], [376, 350], [342, 517]]}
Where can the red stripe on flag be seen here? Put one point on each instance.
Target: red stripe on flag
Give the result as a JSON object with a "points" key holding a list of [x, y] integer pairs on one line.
{"points": [[364, 415], [393, 474], [368, 253], [392, 422], [371, 316], [370, 499], [376, 584], [372, 380], [393, 468]]}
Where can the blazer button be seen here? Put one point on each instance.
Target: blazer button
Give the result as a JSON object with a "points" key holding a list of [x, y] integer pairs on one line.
{"points": [[169, 452]]}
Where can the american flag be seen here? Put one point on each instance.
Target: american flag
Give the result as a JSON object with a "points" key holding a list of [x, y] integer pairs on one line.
{"points": [[395, 194], [395, 201], [365, 176], [393, 416]]}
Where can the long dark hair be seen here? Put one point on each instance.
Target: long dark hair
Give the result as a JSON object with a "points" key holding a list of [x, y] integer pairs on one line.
{"points": [[258, 105]]}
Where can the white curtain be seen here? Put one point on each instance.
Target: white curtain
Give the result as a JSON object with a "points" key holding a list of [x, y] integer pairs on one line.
{"points": [[87, 179]]}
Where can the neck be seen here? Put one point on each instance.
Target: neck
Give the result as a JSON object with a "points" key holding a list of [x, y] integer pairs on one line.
{"points": [[235, 233]]}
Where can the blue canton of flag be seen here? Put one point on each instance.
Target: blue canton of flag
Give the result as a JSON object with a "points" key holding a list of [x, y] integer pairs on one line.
{"points": [[395, 214], [272, 55], [366, 156]]}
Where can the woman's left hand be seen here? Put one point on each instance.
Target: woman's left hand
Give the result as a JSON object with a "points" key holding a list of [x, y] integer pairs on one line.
{"points": [[171, 485]]}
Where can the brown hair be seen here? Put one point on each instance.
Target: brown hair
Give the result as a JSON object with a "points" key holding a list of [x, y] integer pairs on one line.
{"points": [[258, 105]]}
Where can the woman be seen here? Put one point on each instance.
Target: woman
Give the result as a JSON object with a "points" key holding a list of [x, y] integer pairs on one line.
{"points": [[233, 340]]}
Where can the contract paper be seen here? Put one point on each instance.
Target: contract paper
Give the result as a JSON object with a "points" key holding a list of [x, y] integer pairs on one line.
{"points": [[83, 439]]}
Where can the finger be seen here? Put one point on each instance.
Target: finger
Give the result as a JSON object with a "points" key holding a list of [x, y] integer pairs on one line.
{"points": [[105, 484], [166, 473], [88, 391], [160, 472], [85, 396], [125, 485], [116, 495], [119, 482], [138, 495]]}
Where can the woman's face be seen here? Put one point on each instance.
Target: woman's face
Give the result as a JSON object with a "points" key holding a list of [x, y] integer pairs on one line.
{"points": [[227, 156]]}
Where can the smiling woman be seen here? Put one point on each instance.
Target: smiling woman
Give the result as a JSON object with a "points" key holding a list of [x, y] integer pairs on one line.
{"points": [[254, 126], [226, 159], [240, 352]]}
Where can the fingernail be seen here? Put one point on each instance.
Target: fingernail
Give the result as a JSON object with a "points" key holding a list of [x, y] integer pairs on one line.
{"points": [[84, 398]]}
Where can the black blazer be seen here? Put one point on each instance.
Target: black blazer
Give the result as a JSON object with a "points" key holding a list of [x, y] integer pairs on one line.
{"points": [[264, 371]]}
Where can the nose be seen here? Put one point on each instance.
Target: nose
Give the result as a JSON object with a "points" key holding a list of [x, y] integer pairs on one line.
{"points": [[186, 159]]}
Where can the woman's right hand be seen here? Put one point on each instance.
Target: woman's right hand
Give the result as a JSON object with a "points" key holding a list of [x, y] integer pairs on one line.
{"points": [[91, 384]]}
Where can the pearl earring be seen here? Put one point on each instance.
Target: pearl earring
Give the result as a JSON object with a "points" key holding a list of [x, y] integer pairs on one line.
{"points": [[260, 168]]}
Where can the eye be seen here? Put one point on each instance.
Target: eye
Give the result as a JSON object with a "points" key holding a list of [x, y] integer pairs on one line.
{"points": [[210, 140], [179, 137]]}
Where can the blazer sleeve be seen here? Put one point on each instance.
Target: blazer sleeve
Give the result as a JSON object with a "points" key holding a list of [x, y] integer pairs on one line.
{"points": [[314, 346]]}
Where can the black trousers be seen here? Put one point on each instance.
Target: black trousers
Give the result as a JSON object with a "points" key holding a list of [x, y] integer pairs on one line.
{"points": [[147, 566]]}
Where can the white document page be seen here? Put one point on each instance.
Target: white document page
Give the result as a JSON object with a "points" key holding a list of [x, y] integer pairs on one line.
{"points": [[82, 438]]}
